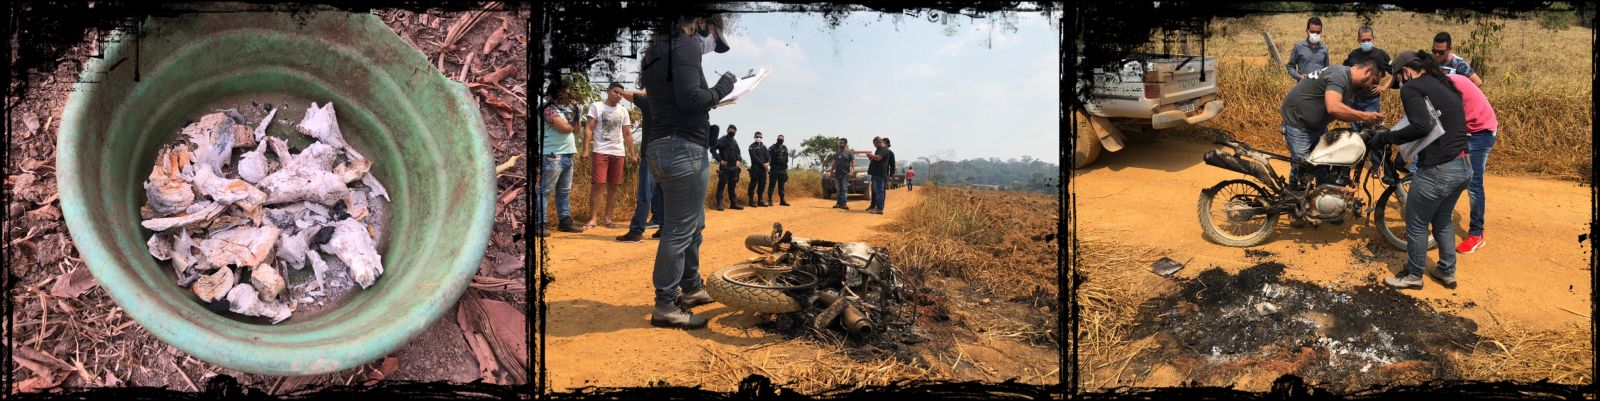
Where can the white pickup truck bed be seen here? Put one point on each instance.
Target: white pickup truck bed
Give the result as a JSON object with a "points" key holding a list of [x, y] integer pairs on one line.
{"points": [[1146, 91]]}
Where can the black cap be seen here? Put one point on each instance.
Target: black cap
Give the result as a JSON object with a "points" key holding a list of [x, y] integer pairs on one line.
{"points": [[733, 127], [1400, 60]]}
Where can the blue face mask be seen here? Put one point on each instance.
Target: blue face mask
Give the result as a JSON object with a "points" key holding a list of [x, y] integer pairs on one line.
{"points": [[1366, 46]]}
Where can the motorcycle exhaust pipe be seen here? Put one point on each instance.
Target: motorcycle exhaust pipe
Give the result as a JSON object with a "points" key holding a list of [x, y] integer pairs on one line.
{"points": [[856, 323], [1235, 163]]}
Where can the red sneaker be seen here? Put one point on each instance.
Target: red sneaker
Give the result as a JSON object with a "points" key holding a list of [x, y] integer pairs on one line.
{"points": [[1471, 244]]}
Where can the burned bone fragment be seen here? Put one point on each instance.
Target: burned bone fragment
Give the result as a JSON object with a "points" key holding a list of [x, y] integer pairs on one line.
{"points": [[354, 246], [241, 246], [196, 216], [243, 299], [229, 232]]}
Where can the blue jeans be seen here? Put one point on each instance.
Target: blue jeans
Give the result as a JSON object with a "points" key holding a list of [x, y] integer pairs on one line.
{"points": [[879, 186], [683, 170], [1371, 105], [556, 172], [649, 203], [1300, 144], [1478, 146], [842, 186], [1432, 198]]}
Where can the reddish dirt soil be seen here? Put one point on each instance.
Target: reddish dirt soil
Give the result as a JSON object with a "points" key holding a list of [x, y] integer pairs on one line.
{"points": [[1533, 272]]}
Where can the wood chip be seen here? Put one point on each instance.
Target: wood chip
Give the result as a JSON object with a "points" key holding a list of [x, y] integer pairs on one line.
{"points": [[494, 284], [507, 165], [469, 322], [499, 74]]}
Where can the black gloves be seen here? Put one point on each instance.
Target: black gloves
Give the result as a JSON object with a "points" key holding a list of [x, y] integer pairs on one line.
{"points": [[1379, 137], [727, 79]]}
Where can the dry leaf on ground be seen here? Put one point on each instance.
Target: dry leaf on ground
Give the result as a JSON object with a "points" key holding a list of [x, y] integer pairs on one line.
{"points": [[71, 285]]}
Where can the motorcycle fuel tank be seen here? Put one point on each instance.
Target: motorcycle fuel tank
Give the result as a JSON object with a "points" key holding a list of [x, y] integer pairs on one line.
{"points": [[1339, 148]]}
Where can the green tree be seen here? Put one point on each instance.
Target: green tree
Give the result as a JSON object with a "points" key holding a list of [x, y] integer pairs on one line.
{"points": [[817, 148]]}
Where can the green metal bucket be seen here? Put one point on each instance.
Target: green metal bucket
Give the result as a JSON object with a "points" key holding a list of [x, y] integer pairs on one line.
{"points": [[422, 131]]}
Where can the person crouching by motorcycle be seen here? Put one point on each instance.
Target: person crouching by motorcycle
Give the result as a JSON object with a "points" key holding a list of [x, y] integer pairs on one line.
{"points": [[1443, 170], [1318, 100]]}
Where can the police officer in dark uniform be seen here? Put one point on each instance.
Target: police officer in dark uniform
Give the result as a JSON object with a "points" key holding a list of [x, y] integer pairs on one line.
{"points": [[779, 172], [726, 152], [758, 173]]}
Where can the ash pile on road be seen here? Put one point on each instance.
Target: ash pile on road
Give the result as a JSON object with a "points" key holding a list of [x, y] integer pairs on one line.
{"points": [[1220, 324], [230, 216]]}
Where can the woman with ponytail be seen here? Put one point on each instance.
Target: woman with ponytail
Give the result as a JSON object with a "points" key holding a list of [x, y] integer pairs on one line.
{"points": [[1442, 169]]}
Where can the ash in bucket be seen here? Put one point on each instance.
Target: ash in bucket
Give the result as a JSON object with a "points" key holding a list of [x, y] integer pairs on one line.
{"points": [[240, 214], [1219, 324]]}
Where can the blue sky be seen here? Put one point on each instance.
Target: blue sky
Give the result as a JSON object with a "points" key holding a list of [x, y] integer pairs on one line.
{"points": [[981, 92]]}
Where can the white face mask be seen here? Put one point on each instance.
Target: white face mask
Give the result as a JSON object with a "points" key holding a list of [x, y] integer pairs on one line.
{"points": [[1316, 38], [708, 44]]}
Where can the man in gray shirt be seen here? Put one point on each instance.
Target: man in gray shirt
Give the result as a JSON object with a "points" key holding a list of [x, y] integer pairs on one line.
{"points": [[1308, 55], [1318, 100]]}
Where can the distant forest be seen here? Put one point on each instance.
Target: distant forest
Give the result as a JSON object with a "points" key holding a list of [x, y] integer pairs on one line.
{"points": [[1023, 175]]}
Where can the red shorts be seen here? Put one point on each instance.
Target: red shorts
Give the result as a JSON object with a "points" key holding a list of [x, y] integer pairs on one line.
{"points": [[607, 169]]}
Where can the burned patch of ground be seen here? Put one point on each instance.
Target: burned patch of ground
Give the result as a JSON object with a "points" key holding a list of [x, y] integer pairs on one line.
{"points": [[1219, 326], [1371, 251]]}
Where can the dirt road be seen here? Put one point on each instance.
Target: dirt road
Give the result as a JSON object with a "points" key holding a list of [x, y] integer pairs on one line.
{"points": [[600, 302], [1533, 270]]}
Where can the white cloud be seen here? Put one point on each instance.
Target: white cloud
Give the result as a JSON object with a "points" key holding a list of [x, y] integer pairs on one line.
{"points": [[985, 35], [786, 60], [918, 70]]}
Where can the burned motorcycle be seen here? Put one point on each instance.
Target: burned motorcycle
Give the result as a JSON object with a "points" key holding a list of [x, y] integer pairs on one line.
{"points": [[1243, 213], [851, 283]]}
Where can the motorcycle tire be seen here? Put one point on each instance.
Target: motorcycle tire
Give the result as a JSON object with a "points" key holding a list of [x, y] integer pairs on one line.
{"points": [[758, 243], [747, 298], [1209, 228], [1380, 222]]}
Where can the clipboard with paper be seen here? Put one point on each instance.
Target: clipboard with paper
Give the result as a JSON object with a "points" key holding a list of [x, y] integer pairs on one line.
{"points": [[1409, 150], [744, 86]]}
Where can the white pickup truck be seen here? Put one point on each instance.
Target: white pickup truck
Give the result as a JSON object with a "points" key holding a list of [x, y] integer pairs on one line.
{"points": [[1149, 91]]}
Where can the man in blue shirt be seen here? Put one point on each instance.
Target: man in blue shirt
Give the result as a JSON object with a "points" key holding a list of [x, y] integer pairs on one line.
{"points": [[1308, 55]]}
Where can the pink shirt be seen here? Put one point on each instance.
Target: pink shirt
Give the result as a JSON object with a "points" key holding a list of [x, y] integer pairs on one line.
{"points": [[1480, 115]]}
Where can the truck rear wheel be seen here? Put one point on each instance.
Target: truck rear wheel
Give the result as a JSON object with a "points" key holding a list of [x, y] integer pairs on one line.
{"points": [[1088, 146]]}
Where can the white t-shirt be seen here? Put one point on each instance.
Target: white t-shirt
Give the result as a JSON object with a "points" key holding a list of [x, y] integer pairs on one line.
{"points": [[608, 127]]}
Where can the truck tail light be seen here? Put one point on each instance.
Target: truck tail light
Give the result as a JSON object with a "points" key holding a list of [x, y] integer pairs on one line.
{"points": [[1152, 85]]}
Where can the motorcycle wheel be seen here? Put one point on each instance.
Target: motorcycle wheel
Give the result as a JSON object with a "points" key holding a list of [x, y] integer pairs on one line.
{"points": [[1390, 220], [1239, 231], [744, 287], [758, 243]]}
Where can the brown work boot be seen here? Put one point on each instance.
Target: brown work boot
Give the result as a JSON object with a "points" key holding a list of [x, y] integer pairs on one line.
{"points": [[669, 315], [697, 297]]}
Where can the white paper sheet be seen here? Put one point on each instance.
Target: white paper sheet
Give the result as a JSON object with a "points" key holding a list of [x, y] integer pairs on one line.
{"points": [[744, 86]]}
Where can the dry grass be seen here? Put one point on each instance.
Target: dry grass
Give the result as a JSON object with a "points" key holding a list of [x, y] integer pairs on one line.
{"points": [[1516, 353], [805, 368], [996, 240], [1113, 287], [1539, 84]]}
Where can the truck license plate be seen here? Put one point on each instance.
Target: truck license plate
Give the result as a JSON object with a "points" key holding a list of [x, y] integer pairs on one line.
{"points": [[1187, 106]]}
